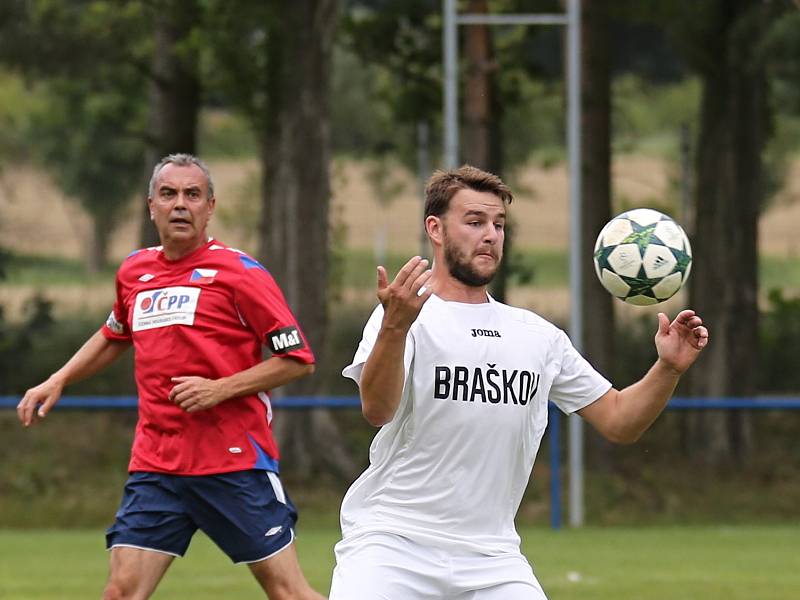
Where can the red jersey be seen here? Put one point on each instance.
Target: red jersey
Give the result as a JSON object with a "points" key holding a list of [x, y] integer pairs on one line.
{"points": [[207, 315]]}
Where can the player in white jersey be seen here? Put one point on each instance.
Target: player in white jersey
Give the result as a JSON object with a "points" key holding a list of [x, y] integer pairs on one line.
{"points": [[459, 384]]}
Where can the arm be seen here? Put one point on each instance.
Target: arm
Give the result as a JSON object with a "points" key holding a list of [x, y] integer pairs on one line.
{"points": [[198, 393], [623, 416], [381, 385], [96, 354]]}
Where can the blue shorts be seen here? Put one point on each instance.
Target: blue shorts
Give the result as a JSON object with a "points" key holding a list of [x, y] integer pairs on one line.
{"points": [[246, 513]]}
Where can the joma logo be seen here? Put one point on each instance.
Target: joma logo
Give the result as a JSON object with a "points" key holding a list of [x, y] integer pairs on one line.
{"points": [[485, 333]]}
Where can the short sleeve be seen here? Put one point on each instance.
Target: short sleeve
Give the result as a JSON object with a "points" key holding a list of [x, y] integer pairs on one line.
{"points": [[263, 308], [371, 329], [577, 384], [116, 325]]}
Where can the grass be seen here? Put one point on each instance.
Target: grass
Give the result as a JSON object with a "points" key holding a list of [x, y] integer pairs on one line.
{"points": [[687, 563]]}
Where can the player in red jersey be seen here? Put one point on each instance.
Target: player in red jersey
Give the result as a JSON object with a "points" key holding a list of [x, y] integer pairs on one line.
{"points": [[197, 313]]}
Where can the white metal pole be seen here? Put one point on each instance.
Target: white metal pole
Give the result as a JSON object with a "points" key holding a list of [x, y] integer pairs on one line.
{"points": [[576, 500], [450, 49], [572, 20]]}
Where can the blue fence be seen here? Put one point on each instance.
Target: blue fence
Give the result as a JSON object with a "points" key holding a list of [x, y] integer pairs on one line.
{"points": [[553, 426]]}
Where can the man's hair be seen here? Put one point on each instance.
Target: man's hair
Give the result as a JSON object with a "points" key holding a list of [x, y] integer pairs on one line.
{"points": [[180, 160], [443, 185]]}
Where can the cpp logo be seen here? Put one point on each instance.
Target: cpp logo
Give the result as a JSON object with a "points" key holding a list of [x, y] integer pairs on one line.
{"points": [[161, 301], [165, 307]]}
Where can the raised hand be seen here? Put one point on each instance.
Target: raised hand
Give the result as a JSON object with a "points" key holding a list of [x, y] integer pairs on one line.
{"points": [[402, 299], [680, 342]]}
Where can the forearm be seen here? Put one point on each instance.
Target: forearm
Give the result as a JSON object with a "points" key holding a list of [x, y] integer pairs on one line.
{"points": [[623, 416], [383, 376], [97, 353], [640, 404], [269, 374]]}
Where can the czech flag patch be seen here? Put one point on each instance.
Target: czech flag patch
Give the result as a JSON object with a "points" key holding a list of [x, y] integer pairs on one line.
{"points": [[203, 275]]}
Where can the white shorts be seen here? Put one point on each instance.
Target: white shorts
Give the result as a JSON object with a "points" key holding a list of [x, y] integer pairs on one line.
{"points": [[383, 566]]}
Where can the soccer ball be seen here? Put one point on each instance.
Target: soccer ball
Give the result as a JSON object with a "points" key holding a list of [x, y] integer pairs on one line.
{"points": [[642, 257]]}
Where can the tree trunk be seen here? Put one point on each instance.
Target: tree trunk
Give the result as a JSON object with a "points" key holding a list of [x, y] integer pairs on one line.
{"points": [[97, 250], [733, 131], [294, 240], [597, 309], [174, 93], [482, 146], [478, 90]]}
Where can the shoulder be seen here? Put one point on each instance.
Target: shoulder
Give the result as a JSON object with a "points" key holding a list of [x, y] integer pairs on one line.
{"points": [[528, 319], [137, 259], [235, 259]]}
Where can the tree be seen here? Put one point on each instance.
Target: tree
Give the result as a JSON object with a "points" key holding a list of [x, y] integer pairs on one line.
{"points": [[480, 121], [88, 58], [145, 51], [597, 308], [483, 117], [721, 43], [295, 211], [174, 90], [91, 146], [278, 60], [399, 41]]}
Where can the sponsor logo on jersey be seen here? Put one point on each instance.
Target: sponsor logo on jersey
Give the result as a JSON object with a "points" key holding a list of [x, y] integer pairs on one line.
{"points": [[203, 275], [484, 333], [146, 277], [489, 384], [165, 307], [115, 325], [285, 340]]}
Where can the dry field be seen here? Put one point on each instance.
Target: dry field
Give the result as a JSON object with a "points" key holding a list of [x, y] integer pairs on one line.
{"points": [[36, 219]]}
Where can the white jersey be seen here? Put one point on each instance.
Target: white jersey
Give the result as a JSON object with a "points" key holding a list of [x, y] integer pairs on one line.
{"points": [[450, 468]]}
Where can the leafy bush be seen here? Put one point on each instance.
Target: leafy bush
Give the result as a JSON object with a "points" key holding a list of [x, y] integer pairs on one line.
{"points": [[780, 345]]}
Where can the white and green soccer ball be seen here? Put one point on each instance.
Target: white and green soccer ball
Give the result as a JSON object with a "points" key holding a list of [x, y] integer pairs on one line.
{"points": [[642, 257]]}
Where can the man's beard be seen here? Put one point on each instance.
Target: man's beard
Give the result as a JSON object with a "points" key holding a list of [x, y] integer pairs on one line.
{"points": [[461, 269]]}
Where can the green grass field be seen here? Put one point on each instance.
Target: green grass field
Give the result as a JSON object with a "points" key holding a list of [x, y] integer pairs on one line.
{"points": [[675, 563]]}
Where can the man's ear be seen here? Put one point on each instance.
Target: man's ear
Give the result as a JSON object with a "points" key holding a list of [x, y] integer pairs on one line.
{"points": [[434, 227], [150, 206]]}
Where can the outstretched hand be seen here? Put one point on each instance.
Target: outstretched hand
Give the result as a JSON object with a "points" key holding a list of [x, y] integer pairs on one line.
{"points": [[401, 299], [679, 343]]}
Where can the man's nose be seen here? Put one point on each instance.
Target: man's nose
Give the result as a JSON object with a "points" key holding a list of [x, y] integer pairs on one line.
{"points": [[491, 234]]}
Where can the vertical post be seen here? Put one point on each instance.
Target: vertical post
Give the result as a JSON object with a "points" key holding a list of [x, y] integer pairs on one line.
{"points": [[451, 20], [554, 435], [450, 85], [576, 504]]}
